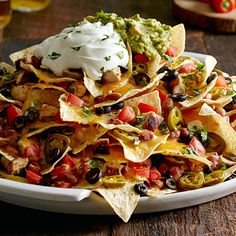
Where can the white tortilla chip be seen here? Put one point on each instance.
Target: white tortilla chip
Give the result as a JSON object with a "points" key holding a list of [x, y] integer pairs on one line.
{"points": [[122, 200], [27, 52]]}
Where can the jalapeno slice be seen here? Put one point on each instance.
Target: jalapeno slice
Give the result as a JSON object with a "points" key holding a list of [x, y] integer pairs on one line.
{"points": [[213, 178], [55, 144], [113, 181], [191, 180], [175, 119]]}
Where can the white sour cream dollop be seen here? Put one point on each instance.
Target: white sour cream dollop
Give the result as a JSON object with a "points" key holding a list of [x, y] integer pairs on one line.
{"points": [[93, 47]]}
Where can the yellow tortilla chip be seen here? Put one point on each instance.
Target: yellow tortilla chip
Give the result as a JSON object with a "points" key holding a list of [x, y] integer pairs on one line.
{"points": [[152, 99], [196, 99], [4, 99], [228, 172], [178, 38], [218, 125], [136, 150], [45, 76], [177, 149], [86, 135], [27, 52], [123, 200]]}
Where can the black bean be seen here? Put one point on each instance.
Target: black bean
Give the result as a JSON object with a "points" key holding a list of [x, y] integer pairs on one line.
{"points": [[107, 109], [118, 106], [32, 114], [53, 155], [93, 175], [141, 189], [213, 76], [99, 110], [142, 79], [101, 149], [3, 70], [179, 97], [67, 130], [20, 122], [171, 183]]}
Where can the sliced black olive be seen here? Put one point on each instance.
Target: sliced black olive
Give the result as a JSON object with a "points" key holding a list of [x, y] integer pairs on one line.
{"points": [[3, 70], [53, 155], [141, 189], [142, 79], [230, 105], [32, 114], [67, 130], [93, 175], [6, 92], [170, 75], [211, 77], [101, 149], [163, 69], [207, 170], [107, 109], [123, 69], [20, 122], [179, 97], [118, 106], [171, 183], [99, 110]]}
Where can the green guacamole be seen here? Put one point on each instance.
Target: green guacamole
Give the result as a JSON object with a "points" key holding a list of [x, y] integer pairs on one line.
{"points": [[147, 36]]}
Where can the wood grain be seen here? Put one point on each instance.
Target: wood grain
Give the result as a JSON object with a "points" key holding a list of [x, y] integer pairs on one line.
{"points": [[202, 15], [213, 218]]}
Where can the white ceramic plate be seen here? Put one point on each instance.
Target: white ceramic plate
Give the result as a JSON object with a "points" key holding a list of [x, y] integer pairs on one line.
{"points": [[77, 201]]}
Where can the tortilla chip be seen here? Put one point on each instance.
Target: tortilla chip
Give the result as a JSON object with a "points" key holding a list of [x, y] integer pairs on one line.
{"points": [[8, 67], [152, 99], [177, 149], [210, 63], [228, 172], [45, 76], [8, 156], [196, 99], [4, 99], [178, 38], [137, 152], [91, 133], [153, 65], [122, 200], [27, 52], [218, 125]]}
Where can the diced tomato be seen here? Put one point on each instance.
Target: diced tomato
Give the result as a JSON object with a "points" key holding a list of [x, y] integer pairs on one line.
{"points": [[35, 168], [32, 151], [68, 160], [142, 58], [144, 108], [163, 168], [60, 172], [12, 113], [154, 174], [162, 94], [171, 51], [187, 68], [176, 172], [190, 115], [142, 171], [63, 184], [221, 81], [197, 146], [74, 100], [126, 114], [33, 177]]}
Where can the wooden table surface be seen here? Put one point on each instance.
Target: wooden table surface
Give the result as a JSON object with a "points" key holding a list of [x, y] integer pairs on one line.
{"points": [[213, 218]]}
